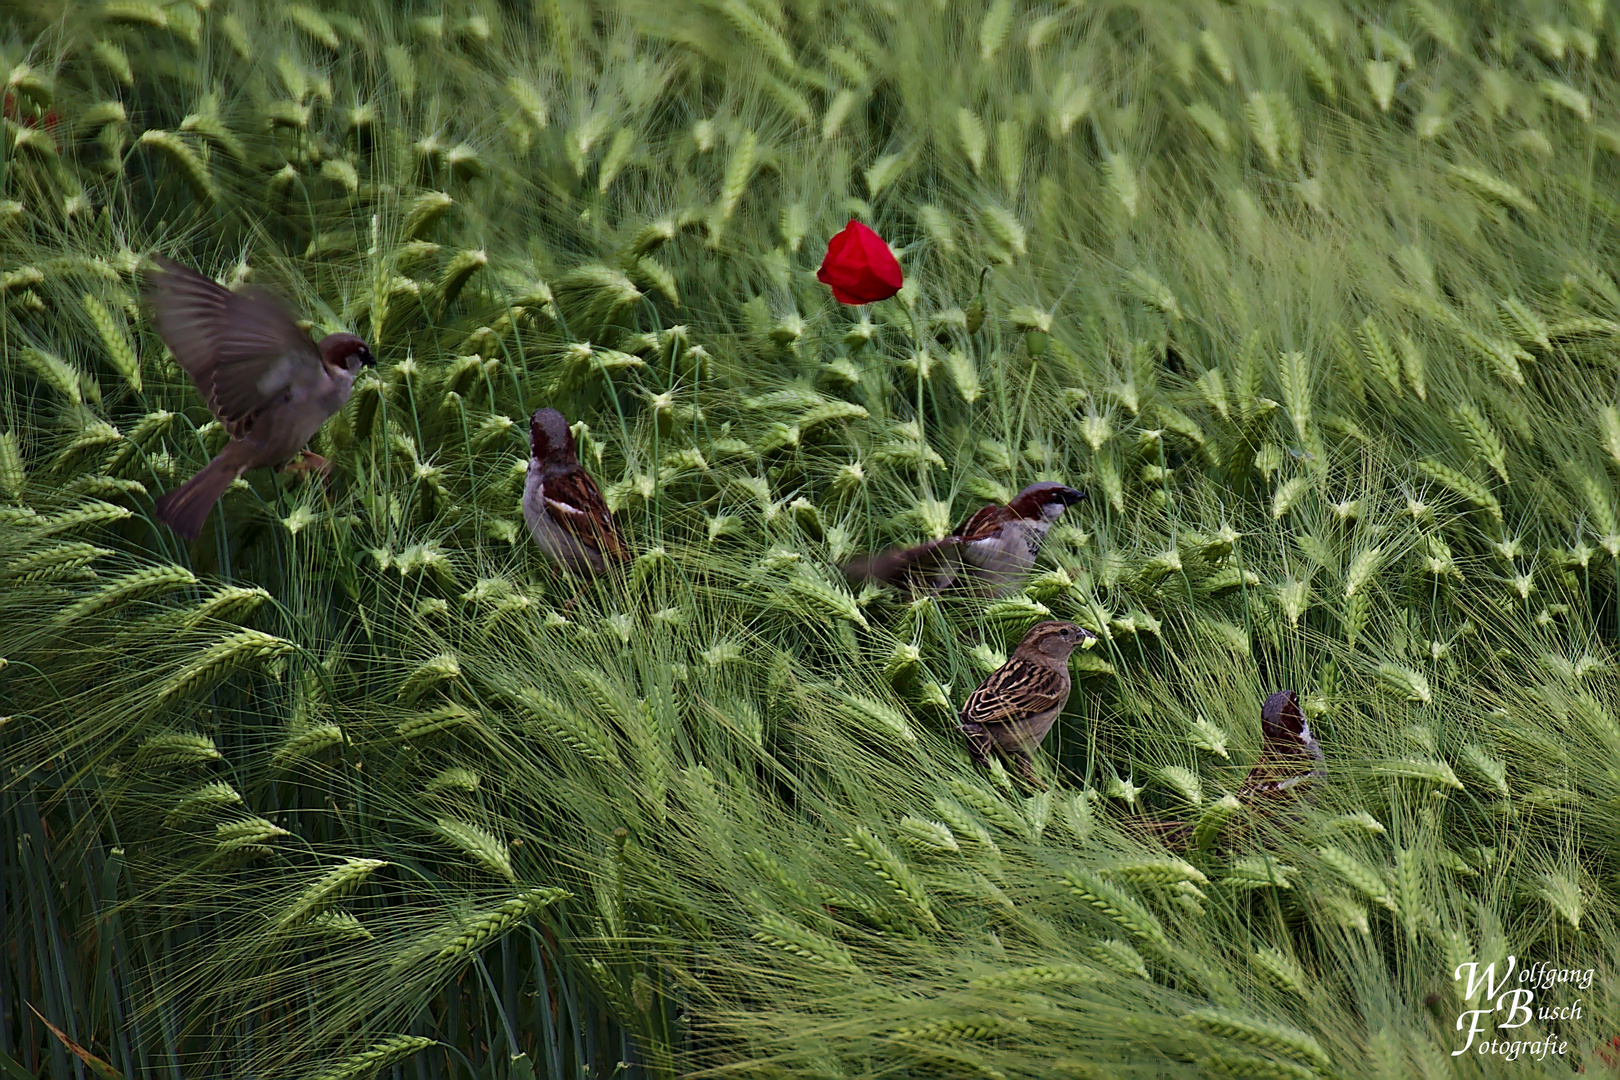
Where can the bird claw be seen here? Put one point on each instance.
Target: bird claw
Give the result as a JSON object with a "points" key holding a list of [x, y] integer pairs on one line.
{"points": [[307, 462]]}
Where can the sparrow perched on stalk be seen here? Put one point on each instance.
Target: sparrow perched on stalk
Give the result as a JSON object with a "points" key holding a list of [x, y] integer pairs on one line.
{"points": [[1290, 768], [990, 550], [1014, 708], [263, 378], [566, 513]]}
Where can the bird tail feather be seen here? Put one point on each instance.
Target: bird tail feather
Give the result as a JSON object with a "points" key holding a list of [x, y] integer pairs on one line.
{"points": [[185, 508], [891, 566], [1172, 834], [980, 745]]}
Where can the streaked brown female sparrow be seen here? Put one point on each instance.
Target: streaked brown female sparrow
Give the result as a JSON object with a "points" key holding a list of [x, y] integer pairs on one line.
{"points": [[989, 551], [566, 513], [263, 378], [1015, 707], [1287, 774]]}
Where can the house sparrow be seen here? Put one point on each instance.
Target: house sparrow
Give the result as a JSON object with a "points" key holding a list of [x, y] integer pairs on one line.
{"points": [[993, 548], [1290, 767], [264, 379], [1291, 759], [1014, 708], [566, 513]]}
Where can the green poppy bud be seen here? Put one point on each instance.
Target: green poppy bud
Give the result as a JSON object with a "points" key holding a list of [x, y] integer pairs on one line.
{"points": [[975, 310]]}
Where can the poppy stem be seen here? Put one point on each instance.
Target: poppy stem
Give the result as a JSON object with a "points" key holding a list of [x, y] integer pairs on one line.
{"points": [[1023, 412], [922, 439]]}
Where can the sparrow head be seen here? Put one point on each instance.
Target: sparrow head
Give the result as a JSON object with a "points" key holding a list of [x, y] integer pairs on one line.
{"points": [[1280, 715], [1045, 500], [345, 351], [1282, 723], [1054, 638], [550, 437]]}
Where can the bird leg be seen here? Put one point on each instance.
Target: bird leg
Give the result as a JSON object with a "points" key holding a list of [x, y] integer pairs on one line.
{"points": [[307, 462], [1026, 768], [1173, 834], [579, 594]]}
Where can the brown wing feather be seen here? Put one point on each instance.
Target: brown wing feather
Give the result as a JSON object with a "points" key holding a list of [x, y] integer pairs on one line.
{"points": [[576, 505], [242, 350], [982, 524], [1015, 691], [188, 310]]}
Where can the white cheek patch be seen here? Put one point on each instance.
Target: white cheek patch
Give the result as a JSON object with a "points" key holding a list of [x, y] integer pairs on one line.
{"points": [[1051, 510], [1310, 742]]}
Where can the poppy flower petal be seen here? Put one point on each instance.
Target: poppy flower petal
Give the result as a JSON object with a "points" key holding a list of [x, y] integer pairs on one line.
{"points": [[859, 267]]}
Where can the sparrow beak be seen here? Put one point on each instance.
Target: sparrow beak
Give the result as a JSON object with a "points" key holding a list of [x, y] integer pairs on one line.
{"points": [[1071, 496], [1087, 638]]}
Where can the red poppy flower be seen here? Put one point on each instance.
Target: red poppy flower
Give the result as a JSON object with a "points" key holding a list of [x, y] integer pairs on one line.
{"points": [[859, 267], [10, 110]]}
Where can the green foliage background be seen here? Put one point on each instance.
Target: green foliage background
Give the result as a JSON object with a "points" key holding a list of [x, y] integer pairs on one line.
{"points": [[1315, 299]]}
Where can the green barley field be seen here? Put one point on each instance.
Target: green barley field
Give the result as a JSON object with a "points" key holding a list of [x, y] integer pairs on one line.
{"points": [[1319, 301]]}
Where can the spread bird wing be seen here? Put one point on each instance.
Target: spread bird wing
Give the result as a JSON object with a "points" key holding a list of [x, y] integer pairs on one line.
{"points": [[1017, 691], [577, 507], [891, 566], [242, 350], [1290, 756]]}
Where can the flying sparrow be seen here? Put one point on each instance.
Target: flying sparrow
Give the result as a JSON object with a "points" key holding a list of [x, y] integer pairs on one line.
{"points": [[566, 513], [264, 379], [1014, 708], [1288, 772], [992, 549]]}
